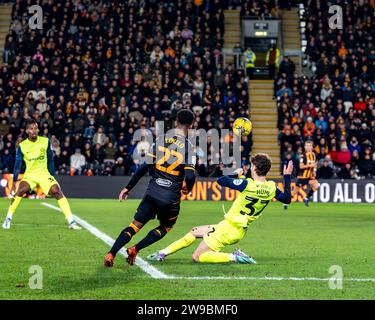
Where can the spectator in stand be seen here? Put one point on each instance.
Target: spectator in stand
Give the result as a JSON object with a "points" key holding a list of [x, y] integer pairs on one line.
{"points": [[88, 154], [55, 144], [109, 153], [329, 160], [325, 171], [9, 49], [142, 147], [98, 154], [99, 137], [287, 67], [309, 128], [346, 172], [354, 145], [321, 123], [360, 104], [326, 90], [272, 60], [237, 50], [276, 12], [355, 159], [309, 110], [284, 91], [290, 156], [250, 58], [119, 167], [7, 161], [77, 161], [321, 148], [343, 156], [4, 127], [288, 137], [367, 165]]}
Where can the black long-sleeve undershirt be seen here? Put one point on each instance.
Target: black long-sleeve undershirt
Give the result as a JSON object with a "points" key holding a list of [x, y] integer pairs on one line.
{"points": [[189, 179], [139, 173]]}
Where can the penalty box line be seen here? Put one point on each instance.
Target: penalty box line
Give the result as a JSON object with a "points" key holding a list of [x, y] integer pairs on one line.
{"points": [[157, 274], [146, 267]]}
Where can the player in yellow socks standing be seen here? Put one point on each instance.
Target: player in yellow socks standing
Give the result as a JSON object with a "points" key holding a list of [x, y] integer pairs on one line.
{"points": [[38, 156]]}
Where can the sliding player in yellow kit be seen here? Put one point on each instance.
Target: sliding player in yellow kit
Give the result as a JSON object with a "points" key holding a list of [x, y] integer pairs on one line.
{"points": [[38, 156], [255, 194]]}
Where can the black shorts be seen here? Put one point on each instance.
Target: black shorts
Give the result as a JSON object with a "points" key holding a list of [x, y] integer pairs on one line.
{"points": [[150, 208], [303, 181]]}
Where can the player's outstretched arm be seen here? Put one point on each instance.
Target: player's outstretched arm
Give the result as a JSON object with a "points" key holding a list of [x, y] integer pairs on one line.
{"points": [[17, 167], [237, 173], [236, 184], [285, 197], [50, 162], [189, 168], [189, 180], [141, 171]]}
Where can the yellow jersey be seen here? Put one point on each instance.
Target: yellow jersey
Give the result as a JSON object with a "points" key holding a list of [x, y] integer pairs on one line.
{"points": [[35, 154], [38, 157], [251, 202]]}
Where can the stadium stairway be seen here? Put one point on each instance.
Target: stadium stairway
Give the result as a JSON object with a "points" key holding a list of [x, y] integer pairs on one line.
{"points": [[263, 114], [232, 31], [292, 35], [5, 19]]}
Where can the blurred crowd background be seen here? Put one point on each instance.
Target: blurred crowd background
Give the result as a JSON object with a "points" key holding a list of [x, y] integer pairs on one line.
{"points": [[99, 70], [335, 107]]}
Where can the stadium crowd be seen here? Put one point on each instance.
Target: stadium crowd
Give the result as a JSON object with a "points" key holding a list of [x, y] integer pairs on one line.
{"points": [[336, 106], [99, 70]]}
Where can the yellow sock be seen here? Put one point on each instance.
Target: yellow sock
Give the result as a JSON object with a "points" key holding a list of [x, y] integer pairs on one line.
{"points": [[215, 257], [13, 206], [65, 208], [181, 243]]}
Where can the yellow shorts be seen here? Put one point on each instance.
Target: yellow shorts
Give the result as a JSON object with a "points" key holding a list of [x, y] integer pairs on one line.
{"points": [[45, 182], [223, 234]]}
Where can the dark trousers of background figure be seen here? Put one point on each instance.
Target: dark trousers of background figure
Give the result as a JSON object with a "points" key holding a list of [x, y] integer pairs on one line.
{"points": [[8, 55], [237, 62], [272, 71], [287, 4], [250, 72]]}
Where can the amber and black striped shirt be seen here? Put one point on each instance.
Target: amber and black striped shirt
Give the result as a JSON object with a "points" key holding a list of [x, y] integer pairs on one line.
{"points": [[307, 158]]}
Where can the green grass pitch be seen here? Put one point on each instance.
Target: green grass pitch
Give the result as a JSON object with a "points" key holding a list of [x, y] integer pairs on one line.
{"points": [[299, 243]]}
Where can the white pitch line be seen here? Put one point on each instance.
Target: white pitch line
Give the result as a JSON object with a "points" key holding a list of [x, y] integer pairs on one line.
{"points": [[146, 267], [156, 274], [269, 278]]}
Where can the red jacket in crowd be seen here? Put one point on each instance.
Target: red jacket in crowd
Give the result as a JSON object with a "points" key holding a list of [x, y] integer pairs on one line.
{"points": [[360, 106], [343, 157]]}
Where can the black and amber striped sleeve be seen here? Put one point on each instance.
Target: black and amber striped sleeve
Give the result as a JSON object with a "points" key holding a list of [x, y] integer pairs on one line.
{"points": [[189, 167]]}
